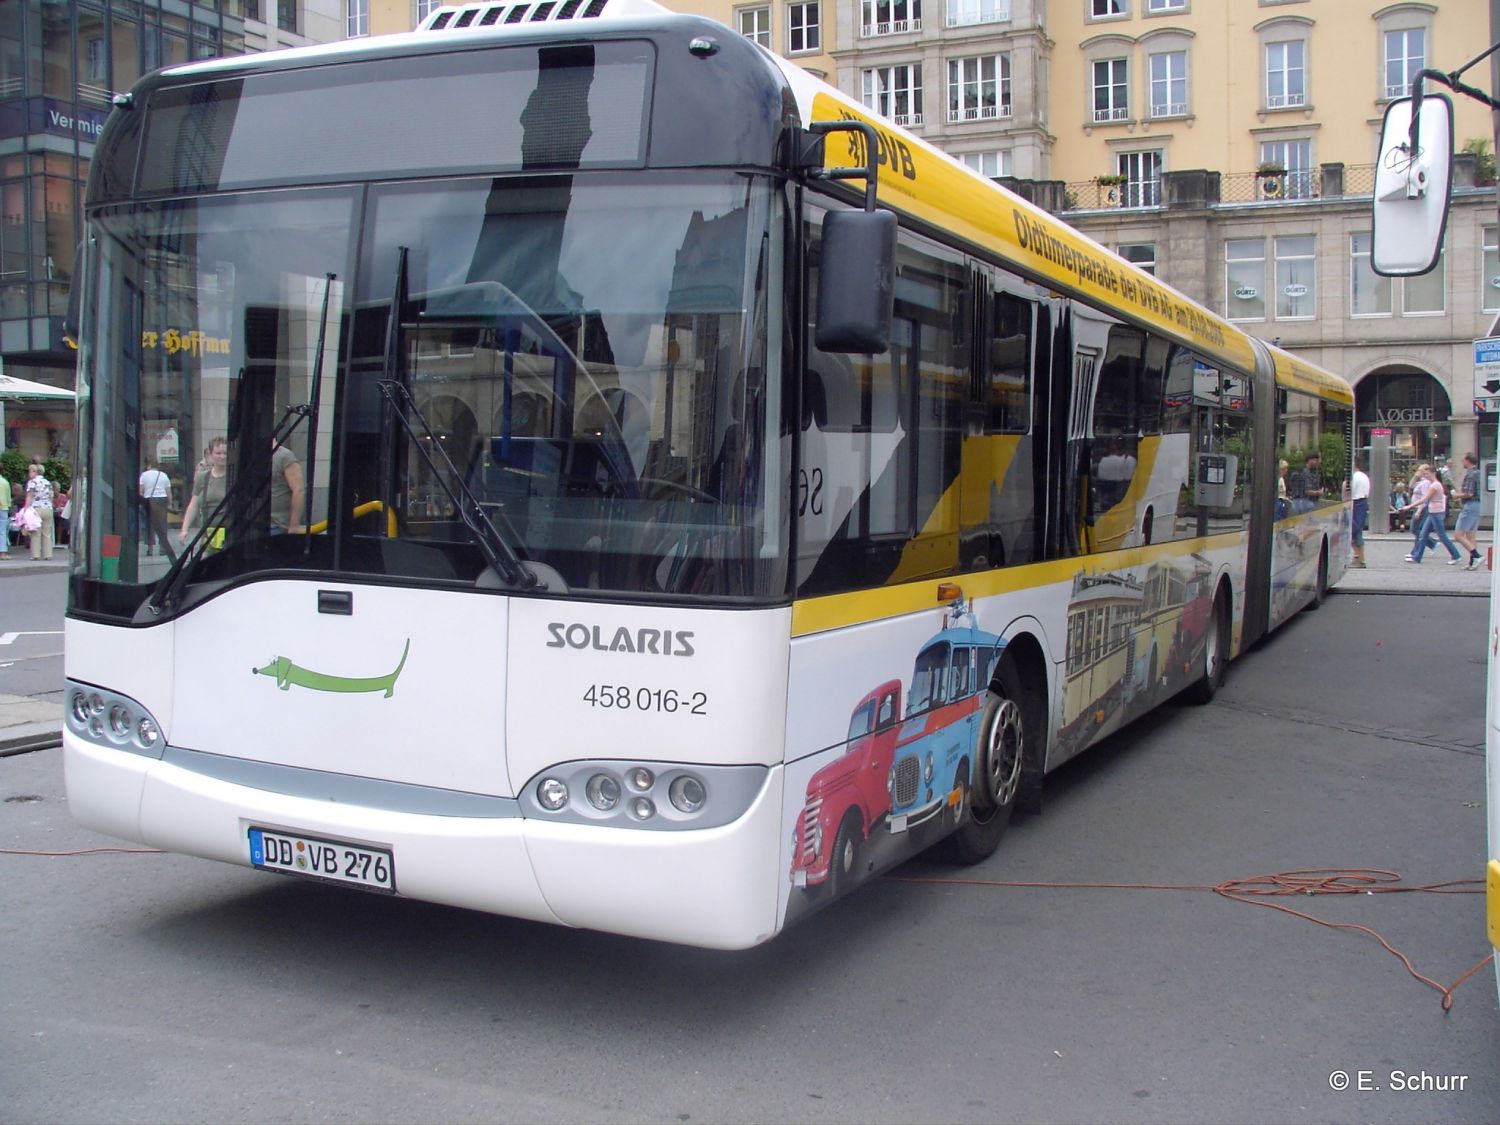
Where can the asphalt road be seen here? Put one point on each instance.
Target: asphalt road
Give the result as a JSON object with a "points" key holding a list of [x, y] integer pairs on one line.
{"points": [[152, 987], [31, 639]]}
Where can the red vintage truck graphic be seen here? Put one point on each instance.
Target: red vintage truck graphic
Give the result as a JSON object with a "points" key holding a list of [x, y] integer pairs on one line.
{"points": [[903, 770]]}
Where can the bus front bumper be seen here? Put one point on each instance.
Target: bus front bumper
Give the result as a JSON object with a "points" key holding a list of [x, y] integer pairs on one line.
{"points": [[715, 887]]}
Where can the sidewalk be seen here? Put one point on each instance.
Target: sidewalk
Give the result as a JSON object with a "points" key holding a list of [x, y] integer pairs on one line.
{"points": [[28, 723]]}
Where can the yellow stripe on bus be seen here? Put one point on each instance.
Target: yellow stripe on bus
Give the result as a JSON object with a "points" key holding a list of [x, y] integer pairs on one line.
{"points": [[840, 611], [1298, 375], [921, 183], [1492, 900]]}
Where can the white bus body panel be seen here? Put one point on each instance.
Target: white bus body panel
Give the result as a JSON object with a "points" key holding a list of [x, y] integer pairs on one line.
{"points": [[450, 690], [714, 680], [716, 887]]}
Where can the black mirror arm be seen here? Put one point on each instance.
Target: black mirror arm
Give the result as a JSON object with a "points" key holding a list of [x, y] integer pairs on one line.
{"points": [[1449, 79], [870, 173]]}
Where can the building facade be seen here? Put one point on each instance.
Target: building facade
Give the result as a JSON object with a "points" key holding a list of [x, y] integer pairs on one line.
{"points": [[61, 64], [1144, 87]]}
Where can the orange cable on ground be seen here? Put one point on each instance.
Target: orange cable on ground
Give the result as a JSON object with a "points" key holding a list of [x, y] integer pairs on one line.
{"points": [[1252, 891]]}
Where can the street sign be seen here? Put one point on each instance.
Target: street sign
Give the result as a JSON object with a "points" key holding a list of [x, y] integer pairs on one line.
{"points": [[1487, 367]]}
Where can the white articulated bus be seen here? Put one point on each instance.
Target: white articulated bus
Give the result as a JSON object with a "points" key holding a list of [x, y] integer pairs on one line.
{"points": [[692, 494]]}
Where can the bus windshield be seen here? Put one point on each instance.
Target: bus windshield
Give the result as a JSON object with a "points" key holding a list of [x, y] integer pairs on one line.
{"points": [[589, 353]]}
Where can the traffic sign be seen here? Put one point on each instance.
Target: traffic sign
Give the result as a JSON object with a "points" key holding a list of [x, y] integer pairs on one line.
{"points": [[1487, 368]]}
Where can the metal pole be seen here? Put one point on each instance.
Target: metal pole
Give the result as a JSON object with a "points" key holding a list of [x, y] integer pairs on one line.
{"points": [[1380, 480]]}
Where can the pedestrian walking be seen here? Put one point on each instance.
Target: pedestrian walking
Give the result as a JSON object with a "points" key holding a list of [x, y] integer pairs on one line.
{"points": [[1434, 523], [1415, 508], [4, 517], [1467, 495], [155, 488]]}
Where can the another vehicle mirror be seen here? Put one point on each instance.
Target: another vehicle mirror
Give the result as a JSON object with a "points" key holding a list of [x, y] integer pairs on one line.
{"points": [[856, 282], [1412, 187]]}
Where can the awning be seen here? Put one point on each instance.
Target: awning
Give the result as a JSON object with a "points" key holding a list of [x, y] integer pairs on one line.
{"points": [[24, 390]]}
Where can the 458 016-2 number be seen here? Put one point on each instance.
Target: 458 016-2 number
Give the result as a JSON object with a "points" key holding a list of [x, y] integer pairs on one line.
{"points": [[665, 701]]}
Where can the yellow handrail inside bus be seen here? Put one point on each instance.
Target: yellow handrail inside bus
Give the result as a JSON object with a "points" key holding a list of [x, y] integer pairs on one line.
{"points": [[363, 510]]}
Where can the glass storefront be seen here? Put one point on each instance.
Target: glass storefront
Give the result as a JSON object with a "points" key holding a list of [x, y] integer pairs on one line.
{"points": [[60, 67]]}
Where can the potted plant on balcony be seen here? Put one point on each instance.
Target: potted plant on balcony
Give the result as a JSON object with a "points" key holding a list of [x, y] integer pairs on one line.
{"points": [[1110, 185], [1271, 177]]}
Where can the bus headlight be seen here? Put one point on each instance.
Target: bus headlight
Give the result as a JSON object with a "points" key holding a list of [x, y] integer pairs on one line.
{"points": [[686, 793], [107, 718], [657, 796], [551, 794], [603, 792], [927, 770]]}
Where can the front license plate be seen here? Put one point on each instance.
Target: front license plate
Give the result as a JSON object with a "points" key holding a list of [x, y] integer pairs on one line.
{"points": [[330, 861]]}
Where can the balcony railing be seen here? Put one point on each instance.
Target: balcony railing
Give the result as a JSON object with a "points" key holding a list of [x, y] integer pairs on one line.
{"points": [[1169, 109], [978, 113], [1117, 113], [1335, 182], [889, 27], [1285, 101]]}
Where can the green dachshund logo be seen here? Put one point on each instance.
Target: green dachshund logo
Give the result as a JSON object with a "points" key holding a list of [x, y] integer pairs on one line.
{"points": [[287, 673]]}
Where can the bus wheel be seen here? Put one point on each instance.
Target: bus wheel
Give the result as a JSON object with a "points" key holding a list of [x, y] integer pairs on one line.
{"points": [[1003, 745], [1215, 654], [1321, 590], [843, 865]]}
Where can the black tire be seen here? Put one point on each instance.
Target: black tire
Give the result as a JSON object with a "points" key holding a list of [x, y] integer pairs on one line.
{"points": [[1007, 734], [1321, 590], [1215, 655], [843, 862]]}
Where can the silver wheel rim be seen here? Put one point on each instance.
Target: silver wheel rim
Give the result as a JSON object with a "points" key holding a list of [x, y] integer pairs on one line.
{"points": [[1211, 649], [1002, 759]]}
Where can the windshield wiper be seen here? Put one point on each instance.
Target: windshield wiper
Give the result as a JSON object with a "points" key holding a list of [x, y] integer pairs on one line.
{"points": [[167, 591], [316, 398], [499, 554]]}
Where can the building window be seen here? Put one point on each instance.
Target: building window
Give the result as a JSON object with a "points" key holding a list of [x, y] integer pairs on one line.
{"points": [[889, 17], [1169, 84], [1294, 158], [979, 88], [1111, 90], [1153, 6], [964, 12], [895, 92], [988, 164], [425, 8], [1142, 172], [1296, 274], [1405, 54], [802, 28], [1245, 278], [1369, 293], [1423, 294], [356, 18], [755, 25], [1105, 9], [1142, 255], [1489, 280], [1286, 74]]}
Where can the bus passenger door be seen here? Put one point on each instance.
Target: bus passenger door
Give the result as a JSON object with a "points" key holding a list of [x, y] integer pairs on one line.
{"points": [[997, 493]]}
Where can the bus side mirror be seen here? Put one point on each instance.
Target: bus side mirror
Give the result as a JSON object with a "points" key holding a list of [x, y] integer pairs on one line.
{"points": [[857, 282], [1412, 187]]}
